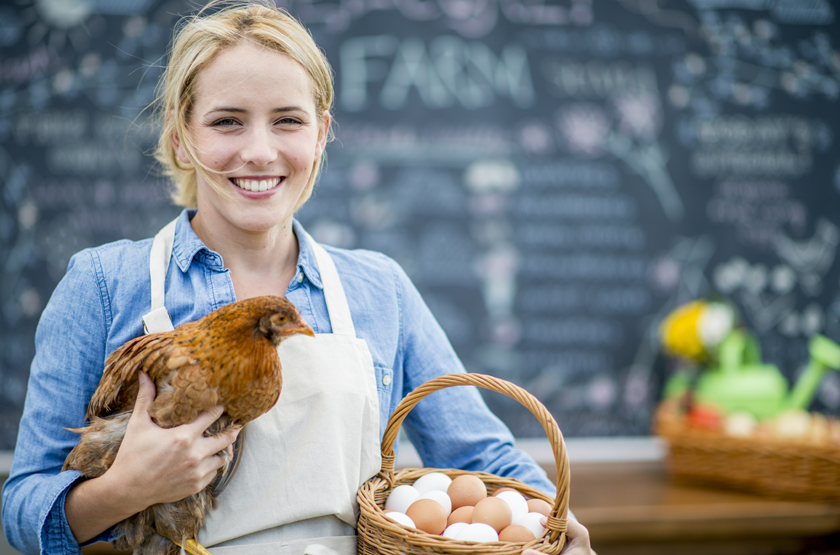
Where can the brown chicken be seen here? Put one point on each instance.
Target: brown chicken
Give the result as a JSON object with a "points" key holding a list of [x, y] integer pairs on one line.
{"points": [[227, 358]]}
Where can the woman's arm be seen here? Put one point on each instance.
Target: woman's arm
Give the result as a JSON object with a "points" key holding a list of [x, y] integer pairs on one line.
{"points": [[69, 356]]}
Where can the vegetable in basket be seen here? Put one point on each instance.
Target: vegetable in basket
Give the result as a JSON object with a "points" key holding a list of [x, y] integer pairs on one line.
{"points": [[728, 387]]}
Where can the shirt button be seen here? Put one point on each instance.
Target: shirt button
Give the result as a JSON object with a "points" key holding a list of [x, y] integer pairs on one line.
{"points": [[300, 277], [386, 379]]}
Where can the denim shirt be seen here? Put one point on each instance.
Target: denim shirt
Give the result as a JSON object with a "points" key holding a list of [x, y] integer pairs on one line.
{"points": [[99, 304]]}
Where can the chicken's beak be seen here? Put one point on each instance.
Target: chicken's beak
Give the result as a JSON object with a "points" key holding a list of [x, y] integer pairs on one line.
{"points": [[303, 328]]}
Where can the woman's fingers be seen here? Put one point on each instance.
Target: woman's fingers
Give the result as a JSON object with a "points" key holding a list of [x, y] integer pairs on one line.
{"points": [[577, 540], [145, 395], [221, 441], [212, 444], [203, 420]]}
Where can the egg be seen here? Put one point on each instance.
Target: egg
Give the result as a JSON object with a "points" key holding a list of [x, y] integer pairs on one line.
{"points": [[516, 500], [466, 490], [500, 490], [401, 497], [428, 515], [401, 518], [440, 497], [531, 521], [494, 512], [477, 532], [432, 481], [516, 533], [539, 506], [461, 514], [453, 529]]}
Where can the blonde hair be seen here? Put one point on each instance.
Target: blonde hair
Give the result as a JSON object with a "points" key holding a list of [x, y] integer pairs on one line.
{"points": [[196, 44]]}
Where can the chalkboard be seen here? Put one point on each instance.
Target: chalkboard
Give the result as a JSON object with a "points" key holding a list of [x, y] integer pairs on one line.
{"points": [[554, 175]]}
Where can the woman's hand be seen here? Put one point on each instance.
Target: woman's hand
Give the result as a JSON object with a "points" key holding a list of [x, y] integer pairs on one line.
{"points": [[153, 465], [158, 465], [577, 540]]}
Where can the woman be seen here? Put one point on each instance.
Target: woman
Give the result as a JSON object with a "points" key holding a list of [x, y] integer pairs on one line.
{"points": [[245, 109]]}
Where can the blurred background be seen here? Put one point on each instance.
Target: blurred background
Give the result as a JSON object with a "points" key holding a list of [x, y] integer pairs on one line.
{"points": [[556, 176]]}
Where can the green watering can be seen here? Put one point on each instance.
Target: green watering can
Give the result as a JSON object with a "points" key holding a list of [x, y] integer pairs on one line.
{"points": [[743, 383]]}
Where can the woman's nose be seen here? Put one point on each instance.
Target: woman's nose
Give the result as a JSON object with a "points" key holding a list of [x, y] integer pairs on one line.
{"points": [[258, 149]]}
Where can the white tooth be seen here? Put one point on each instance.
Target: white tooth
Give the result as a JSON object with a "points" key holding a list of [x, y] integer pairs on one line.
{"points": [[264, 185], [250, 184]]}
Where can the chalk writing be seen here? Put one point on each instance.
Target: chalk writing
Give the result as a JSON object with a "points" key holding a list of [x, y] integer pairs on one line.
{"points": [[597, 236], [598, 79], [577, 207], [446, 72], [50, 127], [572, 331], [595, 267]]}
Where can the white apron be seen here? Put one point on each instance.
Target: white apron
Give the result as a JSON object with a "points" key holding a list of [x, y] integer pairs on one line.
{"points": [[304, 460]]}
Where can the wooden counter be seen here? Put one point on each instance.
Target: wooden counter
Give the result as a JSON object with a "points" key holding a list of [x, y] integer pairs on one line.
{"points": [[634, 508]]}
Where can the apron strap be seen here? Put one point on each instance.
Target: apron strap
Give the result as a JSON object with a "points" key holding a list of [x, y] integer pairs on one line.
{"points": [[339, 310], [158, 320]]}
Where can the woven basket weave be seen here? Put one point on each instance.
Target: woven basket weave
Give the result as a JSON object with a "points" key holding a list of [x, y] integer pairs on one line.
{"points": [[777, 468], [379, 535]]}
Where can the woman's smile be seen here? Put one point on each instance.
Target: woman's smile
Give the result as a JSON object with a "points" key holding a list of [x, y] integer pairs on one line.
{"points": [[257, 184]]}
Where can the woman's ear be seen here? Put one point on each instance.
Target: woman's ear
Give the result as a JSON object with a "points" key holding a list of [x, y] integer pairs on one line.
{"points": [[323, 132], [179, 149]]}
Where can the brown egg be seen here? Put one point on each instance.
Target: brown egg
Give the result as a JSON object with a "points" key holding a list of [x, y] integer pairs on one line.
{"points": [[538, 506], [466, 490], [493, 511], [428, 515], [500, 490], [516, 533], [462, 514]]}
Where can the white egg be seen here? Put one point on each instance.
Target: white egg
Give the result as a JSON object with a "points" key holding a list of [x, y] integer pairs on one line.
{"points": [[477, 532], [401, 518], [531, 521], [452, 531], [432, 481], [400, 498], [516, 501], [441, 497]]}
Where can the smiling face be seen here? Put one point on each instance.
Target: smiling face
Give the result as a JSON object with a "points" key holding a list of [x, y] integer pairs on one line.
{"points": [[255, 127]]}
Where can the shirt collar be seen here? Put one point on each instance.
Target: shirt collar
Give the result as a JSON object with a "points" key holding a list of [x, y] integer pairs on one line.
{"points": [[306, 258], [187, 245]]}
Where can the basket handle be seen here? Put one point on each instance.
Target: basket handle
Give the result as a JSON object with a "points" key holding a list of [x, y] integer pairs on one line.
{"points": [[559, 512]]}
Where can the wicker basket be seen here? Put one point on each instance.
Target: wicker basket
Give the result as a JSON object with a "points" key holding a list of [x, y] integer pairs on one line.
{"points": [[379, 535], [773, 467]]}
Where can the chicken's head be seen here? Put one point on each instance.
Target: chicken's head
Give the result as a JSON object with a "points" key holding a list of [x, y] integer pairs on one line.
{"points": [[280, 319]]}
